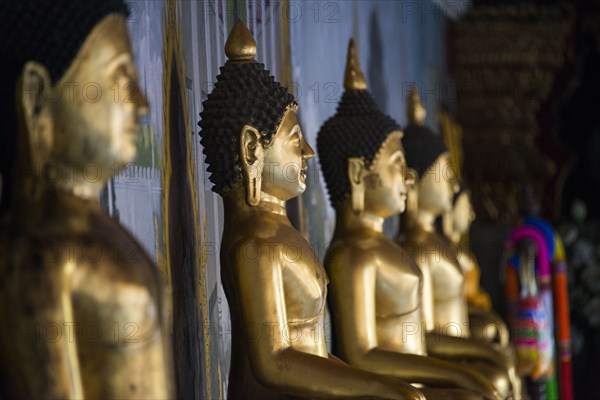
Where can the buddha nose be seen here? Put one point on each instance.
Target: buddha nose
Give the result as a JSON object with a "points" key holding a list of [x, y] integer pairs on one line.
{"points": [[307, 151]]}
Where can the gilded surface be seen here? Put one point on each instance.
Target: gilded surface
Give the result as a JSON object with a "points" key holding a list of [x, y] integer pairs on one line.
{"points": [[445, 306], [376, 288], [275, 284], [69, 268]]}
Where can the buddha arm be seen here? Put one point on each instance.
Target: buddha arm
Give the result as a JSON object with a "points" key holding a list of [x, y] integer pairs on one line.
{"points": [[480, 318], [51, 369], [451, 347], [354, 298], [279, 366]]}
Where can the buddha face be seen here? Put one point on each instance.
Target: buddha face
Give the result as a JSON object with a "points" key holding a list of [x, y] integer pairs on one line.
{"points": [[98, 121], [284, 170], [385, 180], [437, 187], [462, 214]]}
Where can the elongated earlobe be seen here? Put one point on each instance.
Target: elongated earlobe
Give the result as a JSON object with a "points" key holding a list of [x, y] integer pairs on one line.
{"points": [[35, 114], [448, 224], [356, 172], [252, 158], [412, 202]]}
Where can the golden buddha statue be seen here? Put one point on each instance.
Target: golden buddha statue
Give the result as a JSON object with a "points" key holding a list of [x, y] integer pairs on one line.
{"points": [[274, 283], [445, 307], [375, 286], [484, 322], [455, 225], [82, 304]]}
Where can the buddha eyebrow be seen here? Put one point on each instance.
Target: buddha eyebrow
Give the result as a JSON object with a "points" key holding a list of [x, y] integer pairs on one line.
{"points": [[295, 130], [119, 57], [120, 60], [398, 154]]}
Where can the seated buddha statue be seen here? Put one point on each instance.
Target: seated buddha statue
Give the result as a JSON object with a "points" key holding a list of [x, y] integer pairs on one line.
{"points": [[81, 303], [444, 302], [456, 224], [375, 287], [275, 285], [484, 322]]}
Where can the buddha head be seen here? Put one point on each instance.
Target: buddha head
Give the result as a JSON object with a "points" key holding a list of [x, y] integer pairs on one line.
{"points": [[250, 131], [360, 152], [462, 212], [70, 99], [457, 222], [428, 156]]}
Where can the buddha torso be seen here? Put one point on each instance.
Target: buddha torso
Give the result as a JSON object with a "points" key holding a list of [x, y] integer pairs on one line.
{"points": [[397, 288], [445, 308], [304, 284], [84, 293]]}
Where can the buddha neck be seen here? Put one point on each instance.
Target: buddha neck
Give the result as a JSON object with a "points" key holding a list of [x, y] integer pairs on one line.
{"points": [[35, 190], [272, 204], [234, 201], [77, 183], [42, 208], [425, 220], [347, 221], [40, 177]]}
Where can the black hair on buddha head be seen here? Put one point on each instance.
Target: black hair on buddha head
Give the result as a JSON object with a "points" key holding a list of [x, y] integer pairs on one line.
{"points": [[421, 148], [358, 129], [244, 94], [48, 32]]}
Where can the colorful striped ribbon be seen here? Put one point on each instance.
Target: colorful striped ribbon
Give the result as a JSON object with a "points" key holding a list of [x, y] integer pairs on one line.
{"points": [[535, 313], [551, 271]]}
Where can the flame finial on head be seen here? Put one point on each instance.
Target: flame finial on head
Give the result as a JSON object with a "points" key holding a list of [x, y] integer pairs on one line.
{"points": [[354, 78], [240, 45], [415, 111]]}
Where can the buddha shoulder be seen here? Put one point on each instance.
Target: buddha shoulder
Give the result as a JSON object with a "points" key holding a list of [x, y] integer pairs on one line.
{"points": [[111, 281], [258, 226], [116, 281], [415, 235], [353, 253]]}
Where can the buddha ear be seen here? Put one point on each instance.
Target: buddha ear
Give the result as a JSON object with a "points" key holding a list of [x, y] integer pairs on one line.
{"points": [[412, 195], [448, 224], [35, 113], [252, 159], [356, 175]]}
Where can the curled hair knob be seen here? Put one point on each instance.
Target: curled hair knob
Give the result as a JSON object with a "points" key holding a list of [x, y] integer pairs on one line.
{"points": [[415, 111], [240, 45], [354, 78]]}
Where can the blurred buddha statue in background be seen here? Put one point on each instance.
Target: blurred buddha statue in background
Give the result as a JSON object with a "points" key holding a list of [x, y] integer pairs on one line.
{"points": [[82, 303], [445, 307], [484, 322], [275, 285], [376, 302], [456, 223]]}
